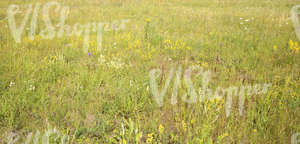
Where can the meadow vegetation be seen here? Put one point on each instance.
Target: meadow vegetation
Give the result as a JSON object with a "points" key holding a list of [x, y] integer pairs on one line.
{"points": [[105, 97]]}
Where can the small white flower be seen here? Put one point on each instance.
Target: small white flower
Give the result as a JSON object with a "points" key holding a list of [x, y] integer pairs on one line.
{"points": [[31, 87], [116, 63], [241, 18], [115, 45], [241, 23], [123, 130], [246, 20], [11, 84], [101, 59]]}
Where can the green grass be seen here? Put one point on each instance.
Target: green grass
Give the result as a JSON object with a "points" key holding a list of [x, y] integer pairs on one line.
{"points": [[100, 102]]}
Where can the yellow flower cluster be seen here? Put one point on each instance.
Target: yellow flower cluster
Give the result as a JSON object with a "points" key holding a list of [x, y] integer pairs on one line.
{"points": [[161, 129], [148, 20], [50, 59], [33, 41], [150, 138], [125, 36], [223, 136], [136, 46], [294, 46], [93, 46], [176, 45]]}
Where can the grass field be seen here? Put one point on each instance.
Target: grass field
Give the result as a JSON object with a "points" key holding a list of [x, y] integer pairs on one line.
{"points": [[105, 96]]}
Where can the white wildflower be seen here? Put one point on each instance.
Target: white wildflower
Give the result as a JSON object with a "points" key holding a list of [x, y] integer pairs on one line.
{"points": [[31, 87], [130, 83], [11, 84], [115, 45], [101, 59], [116, 64]]}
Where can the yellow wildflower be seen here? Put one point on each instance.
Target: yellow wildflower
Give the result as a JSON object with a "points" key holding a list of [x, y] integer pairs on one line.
{"points": [[137, 44], [150, 134], [148, 20], [193, 121], [124, 141], [254, 130], [294, 46], [161, 129], [54, 58], [150, 138], [184, 126], [219, 100], [45, 58], [223, 136], [291, 44], [297, 50], [168, 42], [205, 64], [275, 48]]}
